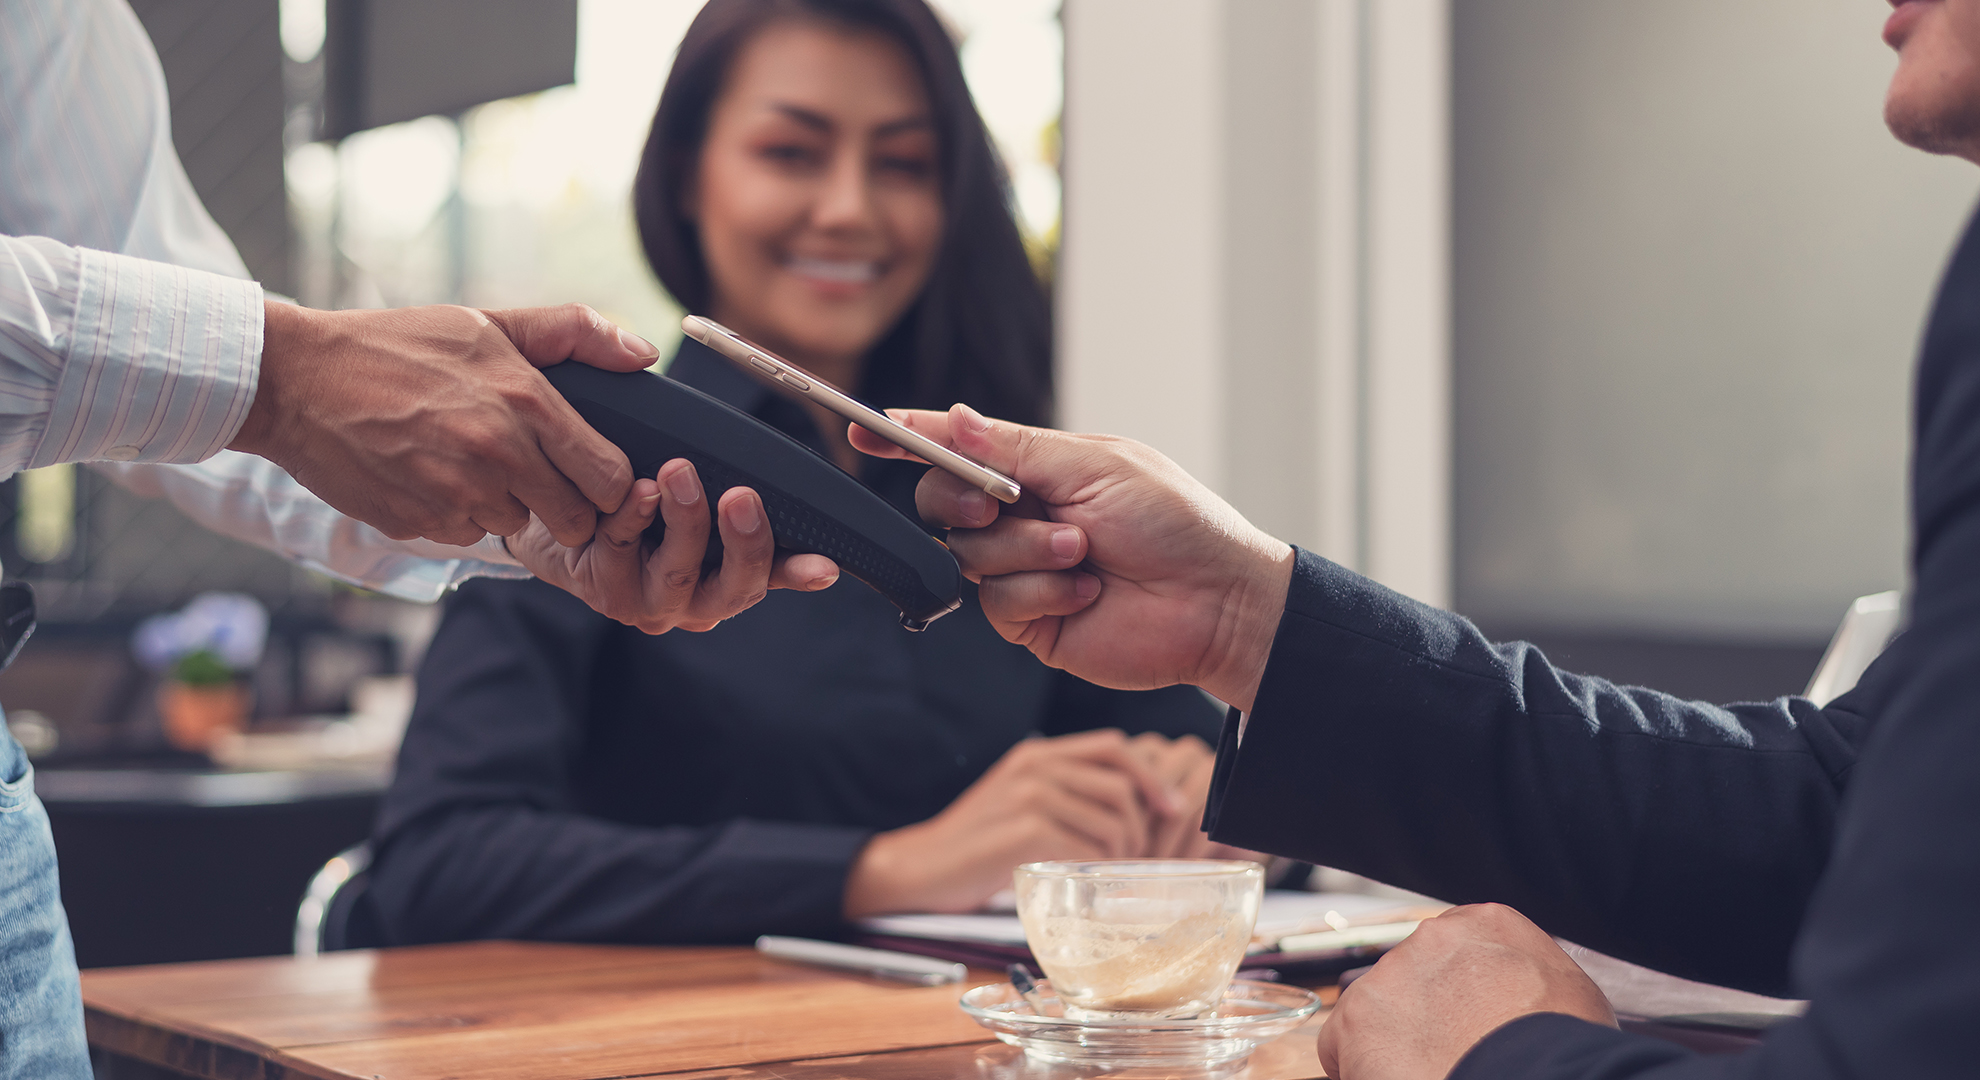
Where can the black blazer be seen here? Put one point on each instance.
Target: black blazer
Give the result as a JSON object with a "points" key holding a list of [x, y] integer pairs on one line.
{"points": [[1830, 853], [569, 778]]}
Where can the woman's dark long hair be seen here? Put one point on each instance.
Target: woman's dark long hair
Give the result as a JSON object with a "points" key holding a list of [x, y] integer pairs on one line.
{"points": [[980, 330]]}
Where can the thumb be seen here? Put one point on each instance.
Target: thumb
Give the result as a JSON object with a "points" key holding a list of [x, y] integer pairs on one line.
{"points": [[552, 335], [623, 528], [1328, 1049], [1052, 465]]}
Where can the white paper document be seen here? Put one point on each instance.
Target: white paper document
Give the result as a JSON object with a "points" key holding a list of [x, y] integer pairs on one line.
{"points": [[1282, 912]]}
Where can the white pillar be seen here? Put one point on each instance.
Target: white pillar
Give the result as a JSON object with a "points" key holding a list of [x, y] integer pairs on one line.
{"points": [[1339, 237], [1142, 263], [1255, 269], [1407, 416]]}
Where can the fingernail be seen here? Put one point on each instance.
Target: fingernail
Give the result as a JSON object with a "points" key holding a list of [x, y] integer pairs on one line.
{"points": [[1065, 542], [647, 504], [974, 505], [745, 517], [685, 489], [973, 420], [824, 580], [1086, 586], [638, 346]]}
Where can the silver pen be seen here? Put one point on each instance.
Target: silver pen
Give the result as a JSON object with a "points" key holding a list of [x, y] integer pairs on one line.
{"points": [[900, 966]]}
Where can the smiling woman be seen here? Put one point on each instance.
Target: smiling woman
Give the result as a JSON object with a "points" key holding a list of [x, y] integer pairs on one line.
{"points": [[818, 178], [817, 199]]}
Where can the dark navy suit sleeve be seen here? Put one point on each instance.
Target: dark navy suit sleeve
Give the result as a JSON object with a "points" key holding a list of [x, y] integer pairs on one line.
{"points": [[1392, 739], [479, 837]]}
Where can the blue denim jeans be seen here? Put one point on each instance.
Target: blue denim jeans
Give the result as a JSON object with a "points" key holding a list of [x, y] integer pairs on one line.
{"points": [[41, 1025]]}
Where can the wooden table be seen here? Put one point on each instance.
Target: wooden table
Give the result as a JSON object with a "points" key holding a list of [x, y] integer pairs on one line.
{"points": [[522, 1011]]}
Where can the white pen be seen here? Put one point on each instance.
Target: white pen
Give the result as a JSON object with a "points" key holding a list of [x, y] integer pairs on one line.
{"points": [[1369, 936], [903, 967]]}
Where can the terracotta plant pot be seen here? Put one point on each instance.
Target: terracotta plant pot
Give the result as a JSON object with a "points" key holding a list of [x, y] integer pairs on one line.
{"points": [[194, 716]]}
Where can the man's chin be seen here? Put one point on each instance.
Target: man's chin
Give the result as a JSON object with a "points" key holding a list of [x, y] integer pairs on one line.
{"points": [[1951, 128]]}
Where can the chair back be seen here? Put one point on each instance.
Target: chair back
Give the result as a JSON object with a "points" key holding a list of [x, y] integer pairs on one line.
{"points": [[1867, 628], [334, 913]]}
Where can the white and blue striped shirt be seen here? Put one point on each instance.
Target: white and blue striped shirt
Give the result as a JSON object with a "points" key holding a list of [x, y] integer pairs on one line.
{"points": [[129, 332]]}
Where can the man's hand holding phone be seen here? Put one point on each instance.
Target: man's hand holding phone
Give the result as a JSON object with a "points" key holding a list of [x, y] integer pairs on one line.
{"points": [[1116, 565]]}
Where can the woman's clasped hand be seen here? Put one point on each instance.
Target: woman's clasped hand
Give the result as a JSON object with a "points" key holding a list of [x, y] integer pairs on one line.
{"points": [[1090, 795]]}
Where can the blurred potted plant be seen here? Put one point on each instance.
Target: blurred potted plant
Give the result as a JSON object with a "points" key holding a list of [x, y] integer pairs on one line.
{"points": [[204, 653]]}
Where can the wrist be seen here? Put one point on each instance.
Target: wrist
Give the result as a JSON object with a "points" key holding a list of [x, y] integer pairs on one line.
{"points": [[284, 330], [1253, 607], [876, 883]]}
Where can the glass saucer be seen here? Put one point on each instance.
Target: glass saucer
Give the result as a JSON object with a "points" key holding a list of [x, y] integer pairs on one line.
{"points": [[1251, 1015]]}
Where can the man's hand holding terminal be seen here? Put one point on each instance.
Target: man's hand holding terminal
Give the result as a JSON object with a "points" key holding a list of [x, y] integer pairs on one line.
{"points": [[1116, 565], [434, 422], [662, 587]]}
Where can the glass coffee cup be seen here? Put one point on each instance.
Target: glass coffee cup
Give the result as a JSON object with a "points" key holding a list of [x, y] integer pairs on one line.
{"points": [[1128, 939]]}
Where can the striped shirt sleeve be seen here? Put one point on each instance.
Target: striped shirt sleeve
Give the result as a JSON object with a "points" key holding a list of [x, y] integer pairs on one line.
{"points": [[110, 357], [252, 499]]}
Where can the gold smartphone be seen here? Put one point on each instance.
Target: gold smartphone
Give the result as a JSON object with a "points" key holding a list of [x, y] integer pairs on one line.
{"points": [[769, 366]]}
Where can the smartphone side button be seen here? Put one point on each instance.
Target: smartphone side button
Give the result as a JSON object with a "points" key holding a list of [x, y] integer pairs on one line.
{"points": [[763, 365], [792, 381]]}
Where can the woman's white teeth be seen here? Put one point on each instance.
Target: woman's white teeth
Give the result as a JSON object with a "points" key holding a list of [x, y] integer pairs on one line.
{"points": [[852, 273]]}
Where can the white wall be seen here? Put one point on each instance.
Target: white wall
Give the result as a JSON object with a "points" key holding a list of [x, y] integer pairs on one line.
{"points": [[1141, 258], [1255, 264], [1690, 272]]}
